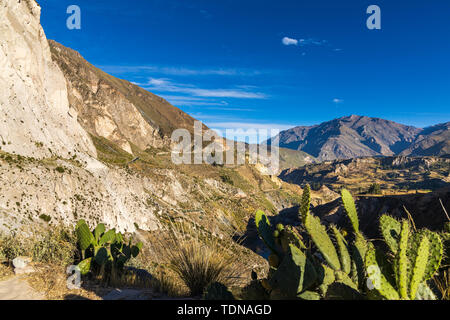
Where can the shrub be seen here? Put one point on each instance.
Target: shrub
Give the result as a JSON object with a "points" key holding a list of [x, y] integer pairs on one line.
{"points": [[374, 189], [45, 217], [12, 246], [226, 178], [60, 169], [57, 246]]}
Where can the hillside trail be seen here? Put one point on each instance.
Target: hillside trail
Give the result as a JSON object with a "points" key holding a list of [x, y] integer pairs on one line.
{"points": [[15, 288]]}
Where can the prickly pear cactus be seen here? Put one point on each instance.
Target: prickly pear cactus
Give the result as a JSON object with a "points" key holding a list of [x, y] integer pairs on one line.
{"points": [[265, 231], [350, 209], [103, 250], [322, 241], [305, 203], [390, 229], [416, 257]]}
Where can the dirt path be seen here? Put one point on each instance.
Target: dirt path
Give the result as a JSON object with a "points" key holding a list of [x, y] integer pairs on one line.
{"points": [[17, 289]]}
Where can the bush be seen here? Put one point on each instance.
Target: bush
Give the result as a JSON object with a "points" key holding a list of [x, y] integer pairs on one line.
{"points": [[374, 189], [60, 169], [56, 245], [226, 178], [45, 217], [11, 247]]}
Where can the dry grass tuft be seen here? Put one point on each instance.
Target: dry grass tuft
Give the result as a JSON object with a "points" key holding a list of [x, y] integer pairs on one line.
{"points": [[199, 258], [442, 282]]}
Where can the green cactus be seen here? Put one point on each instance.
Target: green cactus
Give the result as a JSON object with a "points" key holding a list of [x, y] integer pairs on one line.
{"points": [[416, 258], [265, 231], [295, 272], [390, 229], [84, 235], [346, 259], [319, 236], [290, 235], [305, 203], [344, 255], [350, 208], [103, 250]]}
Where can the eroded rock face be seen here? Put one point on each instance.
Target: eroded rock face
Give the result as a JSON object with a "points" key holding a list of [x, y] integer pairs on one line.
{"points": [[102, 107], [36, 123], [35, 119]]}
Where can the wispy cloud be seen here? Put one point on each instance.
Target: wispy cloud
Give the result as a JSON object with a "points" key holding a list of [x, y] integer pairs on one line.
{"points": [[308, 42], [338, 101], [165, 85], [187, 101], [181, 71], [312, 42]]}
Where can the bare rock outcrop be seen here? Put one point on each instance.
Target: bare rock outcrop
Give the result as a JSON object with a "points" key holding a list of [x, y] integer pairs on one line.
{"points": [[35, 118]]}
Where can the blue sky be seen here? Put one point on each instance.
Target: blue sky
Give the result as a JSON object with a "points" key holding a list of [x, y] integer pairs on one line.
{"points": [[225, 61]]}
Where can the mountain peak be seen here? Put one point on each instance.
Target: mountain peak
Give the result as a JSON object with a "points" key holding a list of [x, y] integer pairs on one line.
{"points": [[357, 136]]}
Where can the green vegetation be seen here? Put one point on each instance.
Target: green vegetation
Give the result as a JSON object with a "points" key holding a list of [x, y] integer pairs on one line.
{"points": [[329, 263], [103, 252], [226, 178], [45, 217], [414, 258], [60, 169], [56, 245], [374, 188], [109, 152]]}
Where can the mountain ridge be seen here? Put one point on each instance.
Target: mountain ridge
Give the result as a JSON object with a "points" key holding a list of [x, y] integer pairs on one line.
{"points": [[361, 136]]}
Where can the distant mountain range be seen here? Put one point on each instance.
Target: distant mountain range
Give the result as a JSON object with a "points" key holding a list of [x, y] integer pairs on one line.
{"points": [[359, 136]]}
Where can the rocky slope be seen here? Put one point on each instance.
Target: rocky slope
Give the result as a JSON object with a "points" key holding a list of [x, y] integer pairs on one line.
{"points": [[394, 174], [117, 109], [360, 136], [67, 138], [36, 119], [431, 141]]}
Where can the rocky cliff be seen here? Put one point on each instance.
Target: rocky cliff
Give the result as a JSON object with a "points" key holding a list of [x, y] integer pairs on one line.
{"points": [[35, 116]]}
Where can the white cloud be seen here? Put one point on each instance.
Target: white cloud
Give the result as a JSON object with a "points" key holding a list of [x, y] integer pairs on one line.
{"points": [[289, 41], [158, 82], [164, 85], [338, 101]]}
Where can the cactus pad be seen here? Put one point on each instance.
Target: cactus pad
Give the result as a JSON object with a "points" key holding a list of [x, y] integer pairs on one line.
{"points": [[390, 229], [350, 208], [322, 241]]}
